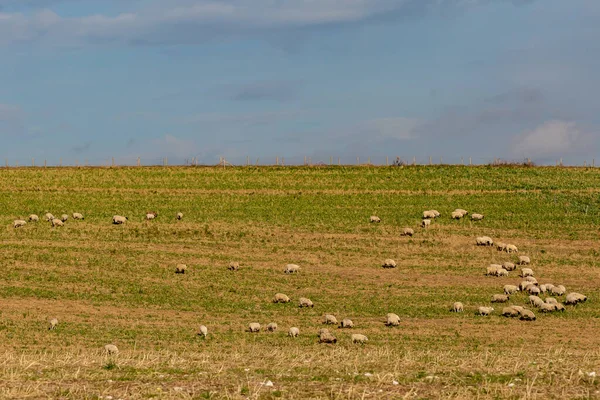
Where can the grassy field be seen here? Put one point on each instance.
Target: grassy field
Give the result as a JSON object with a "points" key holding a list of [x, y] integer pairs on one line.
{"points": [[116, 284]]}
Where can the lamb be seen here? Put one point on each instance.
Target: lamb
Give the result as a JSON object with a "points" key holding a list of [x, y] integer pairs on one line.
{"points": [[57, 222], [574, 298], [33, 218], [510, 289], [151, 215], [53, 324], [293, 332], [510, 312], [558, 290], [254, 327], [526, 272], [347, 323], [511, 248], [179, 215], [272, 326], [524, 260], [203, 331], [527, 315], [358, 338], [281, 298], [48, 217], [535, 300], [407, 232], [64, 217], [304, 302], [77, 215], [291, 269], [19, 223], [500, 298], [330, 319], [389, 263], [456, 215], [233, 266], [375, 219], [458, 307], [180, 269], [425, 223], [428, 214], [118, 219], [327, 337], [485, 310], [476, 217], [111, 349], [484, 241], [392, 319]]}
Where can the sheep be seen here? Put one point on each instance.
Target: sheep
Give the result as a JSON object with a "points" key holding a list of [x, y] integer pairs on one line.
{"points": [[502, 272], [322, 330], [485, 310], [233, 266], [48, 217], [546, 307], [531, 279], [436, 213], [458, 307], [374, 218], [202, 331], [500, 246], [428, 214], [358, 338], [77, 215], [524, 260], [551, 300], [272, 326], [507, 265], [19, 223], [548, 286], [179, 215], [151, 215], [392, 319], [254, 327], [527, 315], [347, 323], [559, 307], [389, 263], [461, 211], [33, 218], [64, 217], [456, 215], [574, 298], [510, 289], [511, 248], [281, 298], [510, 312], [518, 308], [327, 337], [500, 298], [535, 300], [180, 269], [407, 232], [425, 223], [526, 272], [111, 349], [476, 217], [558, 290], [330, 319], [57, 222], [53, 324], [533, 289], [118, 219], [484, 241], [304, 302], [293, 332], [496, 270], [291, 269]]}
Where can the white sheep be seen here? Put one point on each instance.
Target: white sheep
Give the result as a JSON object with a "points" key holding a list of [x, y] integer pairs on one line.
{"points": [[111, 349], [428, 214], [485, 310], [527, 315], [272, 326], [327, 337], [33, 218], [531, 279], [57, 222], [118, 219], [484, 241], [293, 332], [558, 290], [203, 331], [507, 265], [551, 300], [535, 300], [456, 215], [574, 298], [151, 215], [53, 324], [526, 272], [547, 307], [180, 268], [425, 223], [64, 217], [533, 289], [436, 213], [511, 248], [254, 327], [407, 232], [304, 302], [347, 323], [179, 215], [500, 298], [233, 266], [48, 217], [500, 246], [374, 218], [19, 223], [493, 270], [358, 338], [330, 319], [392, 319], [461, 211], [77, 215], [291, 269], [458, 307], [524, 260], [281, 298], [559, 307], [476, 217], [510, 289], [389, 263], [510, 312], [502, 272]]}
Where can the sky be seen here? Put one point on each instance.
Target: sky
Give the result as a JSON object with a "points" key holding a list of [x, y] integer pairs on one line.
{"points": [[86, 81]]}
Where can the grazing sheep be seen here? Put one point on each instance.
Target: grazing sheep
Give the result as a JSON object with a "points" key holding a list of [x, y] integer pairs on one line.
{"points": [[518, 308], [535, 300], [510, 289], [77, 215], [496, 270], [574, 298], [347, 323], [485, 310], [458, 307], [57, 222], [502, 272], [358, 338], [64, 217], [374, 218], [511, 248], [543, 288], [323, 330], [436, 213], [304, 302], [33, 218], [425, 223], [558, 290], [456, 215], [19, 223], [203, 331], [507, 265], [531, 279], [254, 327], [291, 269], [327, 337], [461, 211], [510, 312], [272, 326], [180, 269], [428, 214], [559, 307], [293, 332], [389, 263], [281, 298], [118, 219], [524, 260], [233, 266], [407, 232], [330, 319], [476, 217], [151, 215], [484, 241], [548, 286], [53, 323], [179, 215], [500, 246], [533, 289], [527, 315], [526, 272], [551, 300], [392, 319], [546, 307], [48, 217], [500, 298], [111, 349]]}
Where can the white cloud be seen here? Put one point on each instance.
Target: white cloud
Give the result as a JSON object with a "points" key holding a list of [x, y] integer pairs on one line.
{"points": [[553, 138]]}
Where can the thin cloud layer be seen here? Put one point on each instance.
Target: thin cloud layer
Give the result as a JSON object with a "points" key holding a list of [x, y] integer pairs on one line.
{"points": [[551, 139]]}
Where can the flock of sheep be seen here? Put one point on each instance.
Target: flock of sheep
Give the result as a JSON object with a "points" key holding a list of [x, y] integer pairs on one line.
{"points": [[528, 285]]}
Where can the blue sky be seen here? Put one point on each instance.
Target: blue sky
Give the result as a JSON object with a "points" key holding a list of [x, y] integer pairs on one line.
{"points": [[87, 80]]}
